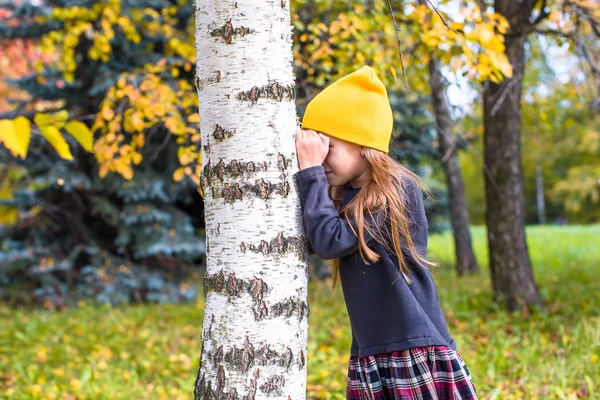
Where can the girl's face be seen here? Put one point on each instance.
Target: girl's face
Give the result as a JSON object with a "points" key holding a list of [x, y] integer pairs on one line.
{"points": [[344, 164]]}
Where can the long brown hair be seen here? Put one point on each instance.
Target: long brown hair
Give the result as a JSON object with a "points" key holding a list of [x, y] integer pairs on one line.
{"points": [[385, 192]]}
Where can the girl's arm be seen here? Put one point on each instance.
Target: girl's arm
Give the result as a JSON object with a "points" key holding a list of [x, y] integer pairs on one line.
{"points": [[329, 234]]}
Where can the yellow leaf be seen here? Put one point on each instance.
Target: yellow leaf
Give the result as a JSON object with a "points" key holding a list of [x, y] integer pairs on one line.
{"points": [[127, 173], [393, 73], [178, 174], [107, 113], [57, 120], [81, 133], [8, 136], [53, 136], [137, 122], [194, 118], [505, 68], [136, 158], [457, 26], [23, 131]]}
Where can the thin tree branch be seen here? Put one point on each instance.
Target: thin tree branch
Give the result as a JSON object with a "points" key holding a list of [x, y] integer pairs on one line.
{"points": [[583, 49], [505, 91], [399, 42], [441, 17], [543, 14]]}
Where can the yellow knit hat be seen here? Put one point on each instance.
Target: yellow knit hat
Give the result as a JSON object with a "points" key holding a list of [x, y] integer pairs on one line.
{"points": [[354, 108]]}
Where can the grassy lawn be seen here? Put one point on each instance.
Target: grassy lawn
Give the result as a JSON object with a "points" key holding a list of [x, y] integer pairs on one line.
{"points": [[151, 352]]}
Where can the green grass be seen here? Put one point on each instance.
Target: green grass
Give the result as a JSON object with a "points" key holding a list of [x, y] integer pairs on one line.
{"points": [[151, 352]]}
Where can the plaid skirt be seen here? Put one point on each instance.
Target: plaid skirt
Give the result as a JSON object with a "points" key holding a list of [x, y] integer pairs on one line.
{"points": [[423, 373]]}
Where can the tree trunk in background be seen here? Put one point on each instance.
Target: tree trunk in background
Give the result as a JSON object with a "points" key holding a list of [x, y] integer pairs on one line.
{"points": [[511, 272], [254, 334], [539, 185], [459, 214]]}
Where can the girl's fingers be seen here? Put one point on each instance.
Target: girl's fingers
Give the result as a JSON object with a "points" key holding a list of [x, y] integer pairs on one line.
{"points": [[324, 139]]}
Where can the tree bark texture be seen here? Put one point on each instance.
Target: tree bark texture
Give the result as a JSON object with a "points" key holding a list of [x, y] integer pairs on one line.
{"points": [[255, 318], [459, 213], [512, 276]]}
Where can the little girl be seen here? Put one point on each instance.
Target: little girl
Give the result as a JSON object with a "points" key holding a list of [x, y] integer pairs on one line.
{"points": [[365, 210]]}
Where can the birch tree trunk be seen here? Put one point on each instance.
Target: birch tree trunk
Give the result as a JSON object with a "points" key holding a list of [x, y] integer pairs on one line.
{"points": [[255, 324]]}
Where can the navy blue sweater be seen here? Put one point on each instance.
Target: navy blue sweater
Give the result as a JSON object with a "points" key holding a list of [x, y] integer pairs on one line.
{"points": [[385, 317]]}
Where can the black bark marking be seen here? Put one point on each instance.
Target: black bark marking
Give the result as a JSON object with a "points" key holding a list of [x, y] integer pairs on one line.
{"points": [[301, 360], [232, 287], [260, 310], [199, 386], [214, 176], [243, 358], [218, 356], [288, 358], [280, 245], [212, 321], [232, 394], [227, 32], [231, 193], [247, 355], [273, 385], [252, 390], [257, 291], [262, 189], [208, 172], [282, 162], [219, 282], [235, 287], [292, 306], [220, 379], [243, 247], [208, 80], [233, 169], [221, 134], [220, 170], [273, 91], [203, 389]]}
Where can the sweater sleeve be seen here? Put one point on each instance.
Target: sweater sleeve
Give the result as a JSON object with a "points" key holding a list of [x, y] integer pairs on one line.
{"points": [[418, 219], [329, 234]]}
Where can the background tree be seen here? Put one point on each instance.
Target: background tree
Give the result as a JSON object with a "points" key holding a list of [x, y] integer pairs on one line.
{"points": [[512, 276]]}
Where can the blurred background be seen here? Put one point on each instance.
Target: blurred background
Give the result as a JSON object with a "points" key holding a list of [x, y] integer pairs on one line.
{"points": [[101, 219]]}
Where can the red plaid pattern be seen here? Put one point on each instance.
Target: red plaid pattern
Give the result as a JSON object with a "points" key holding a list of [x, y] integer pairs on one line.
{"points": [[421, 373]]}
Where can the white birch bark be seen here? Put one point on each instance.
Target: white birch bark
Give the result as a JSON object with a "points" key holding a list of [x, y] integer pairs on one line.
{"points": [[255, 323]]}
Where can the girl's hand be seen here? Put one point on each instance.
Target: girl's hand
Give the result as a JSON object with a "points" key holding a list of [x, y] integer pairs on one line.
{"points": [[311, 148]]}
